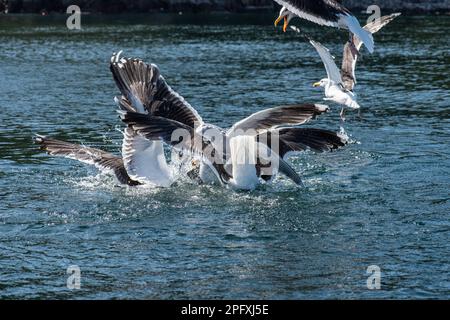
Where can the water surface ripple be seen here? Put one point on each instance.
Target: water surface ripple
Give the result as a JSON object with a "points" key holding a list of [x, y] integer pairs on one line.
{"points": [[384, 200]]}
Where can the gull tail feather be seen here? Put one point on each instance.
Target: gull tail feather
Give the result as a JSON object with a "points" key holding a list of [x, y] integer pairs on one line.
{"points": [[354, 105]]}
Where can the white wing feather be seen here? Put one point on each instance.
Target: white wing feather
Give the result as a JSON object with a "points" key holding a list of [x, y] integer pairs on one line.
{"points": [[333, 71], [144, 160]]}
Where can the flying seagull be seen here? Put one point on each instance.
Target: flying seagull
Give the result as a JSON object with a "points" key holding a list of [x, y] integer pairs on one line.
{"points": [[339, 84], [329, 13], [253, 150]]}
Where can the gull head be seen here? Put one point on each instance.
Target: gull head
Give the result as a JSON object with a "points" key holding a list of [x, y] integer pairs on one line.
{"points": [[285, 15], [322, 83]]}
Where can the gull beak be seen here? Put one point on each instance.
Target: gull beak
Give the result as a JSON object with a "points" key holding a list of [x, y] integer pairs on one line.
{"points": [[278, 20], [317, 84]]}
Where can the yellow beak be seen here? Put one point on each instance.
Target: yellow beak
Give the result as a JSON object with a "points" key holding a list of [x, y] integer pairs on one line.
{"points": [[317, 84], [278, 20], [285, 25]]}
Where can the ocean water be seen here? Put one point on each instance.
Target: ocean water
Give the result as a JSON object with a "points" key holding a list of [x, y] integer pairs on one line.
{"points": [[383, 200]]}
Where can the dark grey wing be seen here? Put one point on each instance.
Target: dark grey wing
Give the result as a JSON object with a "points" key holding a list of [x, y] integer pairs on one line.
{"points": [[349, 65], [289, 172], [323, 12], [136, 81], [269, 159], [377, 25], [283, 115], [180, 136], [124, 104], [351, 51], [300, 139], [288, 140], [283, 167], [103, 160], [145, 90], [318, 140]]}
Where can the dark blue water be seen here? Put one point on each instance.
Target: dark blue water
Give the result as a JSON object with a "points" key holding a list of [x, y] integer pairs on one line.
{"points": [[384, 200]]}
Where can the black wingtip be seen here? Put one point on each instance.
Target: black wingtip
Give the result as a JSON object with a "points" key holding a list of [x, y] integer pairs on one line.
{"points": [[130, 117]]}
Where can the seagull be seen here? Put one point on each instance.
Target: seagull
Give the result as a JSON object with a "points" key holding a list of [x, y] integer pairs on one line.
{"points": [[339, 84], [292, 115], [143, 162], [145, 90], [253, 150], [329, 13], [335, 88]]}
